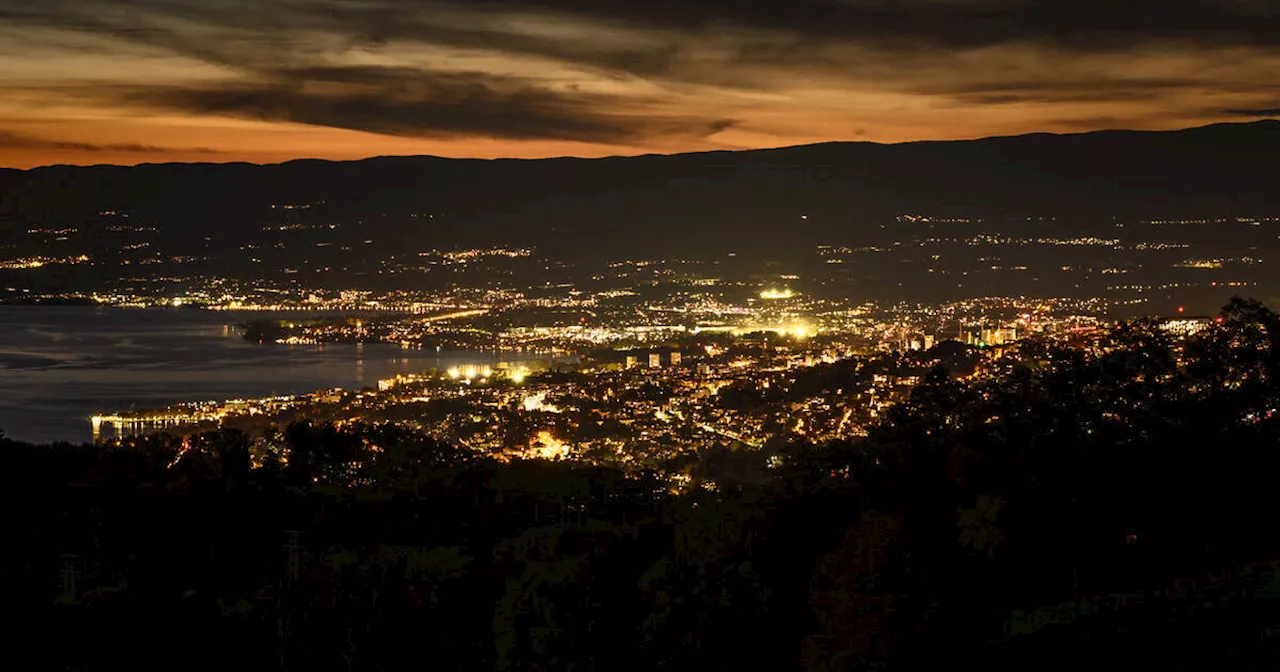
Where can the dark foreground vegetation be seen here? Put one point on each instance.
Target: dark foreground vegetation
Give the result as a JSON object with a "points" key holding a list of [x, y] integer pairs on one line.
{"points": [[1109, 505]]}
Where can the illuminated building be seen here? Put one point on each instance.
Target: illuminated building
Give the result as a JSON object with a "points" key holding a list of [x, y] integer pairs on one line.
{"points": [[1186, 326], [987, 335], [998, 336], [655, 360]]}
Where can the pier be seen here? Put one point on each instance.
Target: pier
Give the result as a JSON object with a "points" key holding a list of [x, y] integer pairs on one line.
{"points": [[121, 426]]}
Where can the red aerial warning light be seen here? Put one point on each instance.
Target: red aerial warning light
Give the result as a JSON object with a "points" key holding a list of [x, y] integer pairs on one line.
{"points": [[1219, 320], [1179, 309]]}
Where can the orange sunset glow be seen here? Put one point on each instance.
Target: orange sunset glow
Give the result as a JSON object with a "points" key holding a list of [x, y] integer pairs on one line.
{"points": [[92, 81]]}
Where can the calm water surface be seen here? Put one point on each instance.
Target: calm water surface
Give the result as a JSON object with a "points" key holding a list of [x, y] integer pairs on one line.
{"points": [[60, 365]]}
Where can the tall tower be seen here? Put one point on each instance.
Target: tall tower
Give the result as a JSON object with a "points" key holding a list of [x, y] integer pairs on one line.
{"points": [[70, 572], [294, 549]]}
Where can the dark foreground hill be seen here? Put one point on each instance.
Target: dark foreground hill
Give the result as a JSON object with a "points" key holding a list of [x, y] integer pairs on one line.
{"points": [[685, 202]]}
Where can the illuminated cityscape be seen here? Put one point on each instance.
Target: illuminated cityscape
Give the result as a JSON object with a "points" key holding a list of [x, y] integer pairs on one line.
{"points": [[802, 409], [681, 329]]}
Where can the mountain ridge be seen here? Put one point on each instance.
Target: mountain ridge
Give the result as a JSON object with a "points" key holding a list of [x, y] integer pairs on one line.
{"points": [[675, 203], [1264, 123]]}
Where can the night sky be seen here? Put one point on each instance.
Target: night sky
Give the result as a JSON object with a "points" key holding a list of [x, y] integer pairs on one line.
{"points": [[131, 81]]}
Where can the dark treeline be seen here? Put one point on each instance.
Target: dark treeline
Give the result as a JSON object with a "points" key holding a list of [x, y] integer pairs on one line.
{"points": [[1104, 505]]}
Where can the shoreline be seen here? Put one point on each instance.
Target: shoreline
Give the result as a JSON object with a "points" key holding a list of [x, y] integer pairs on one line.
{"points": [[72, 362]]}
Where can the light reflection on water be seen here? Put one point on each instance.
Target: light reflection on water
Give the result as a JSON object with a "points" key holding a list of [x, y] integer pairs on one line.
{"points": [[61, 365]]}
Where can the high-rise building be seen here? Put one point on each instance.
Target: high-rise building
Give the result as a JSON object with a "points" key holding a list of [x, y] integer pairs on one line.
{"points": [[997, 335], [632, 362], [928, 342], [675, 358], [655, 360]]}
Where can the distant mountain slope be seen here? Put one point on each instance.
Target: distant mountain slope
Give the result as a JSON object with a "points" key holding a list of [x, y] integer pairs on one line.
{"points": [[683, 202]]}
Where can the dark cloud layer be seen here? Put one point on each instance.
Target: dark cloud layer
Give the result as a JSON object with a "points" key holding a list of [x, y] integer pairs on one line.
{"points": [[910, 24], [1084, 24], [393, 101]]}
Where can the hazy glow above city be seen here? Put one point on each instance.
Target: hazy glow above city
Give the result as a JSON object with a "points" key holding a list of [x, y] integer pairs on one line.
{"points": [[91, 81]]}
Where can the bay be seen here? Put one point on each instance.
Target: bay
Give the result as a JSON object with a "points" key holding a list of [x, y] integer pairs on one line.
{"points": [[59, 365]]}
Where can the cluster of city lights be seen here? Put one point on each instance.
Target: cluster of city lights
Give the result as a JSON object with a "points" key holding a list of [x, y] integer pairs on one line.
{"points": [[775, 294]]}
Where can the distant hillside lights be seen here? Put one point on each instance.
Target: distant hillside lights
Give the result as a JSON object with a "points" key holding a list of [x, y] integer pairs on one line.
{"points": [[38, 262], [914, 219], [774, 294]]}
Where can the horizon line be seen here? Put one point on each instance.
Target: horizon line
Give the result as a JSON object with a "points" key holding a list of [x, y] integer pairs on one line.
{"points": [[302, 159]]}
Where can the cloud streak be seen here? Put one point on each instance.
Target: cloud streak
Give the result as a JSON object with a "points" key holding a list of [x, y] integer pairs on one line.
{"points": [[1257, 112], [13, 140]]}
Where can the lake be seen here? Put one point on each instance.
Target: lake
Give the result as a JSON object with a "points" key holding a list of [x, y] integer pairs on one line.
{"points": [[61, 365]]}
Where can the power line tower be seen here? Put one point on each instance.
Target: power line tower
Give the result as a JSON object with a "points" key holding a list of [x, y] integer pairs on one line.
{"points": [[294, 548], [293, 567], [70, 572]]}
